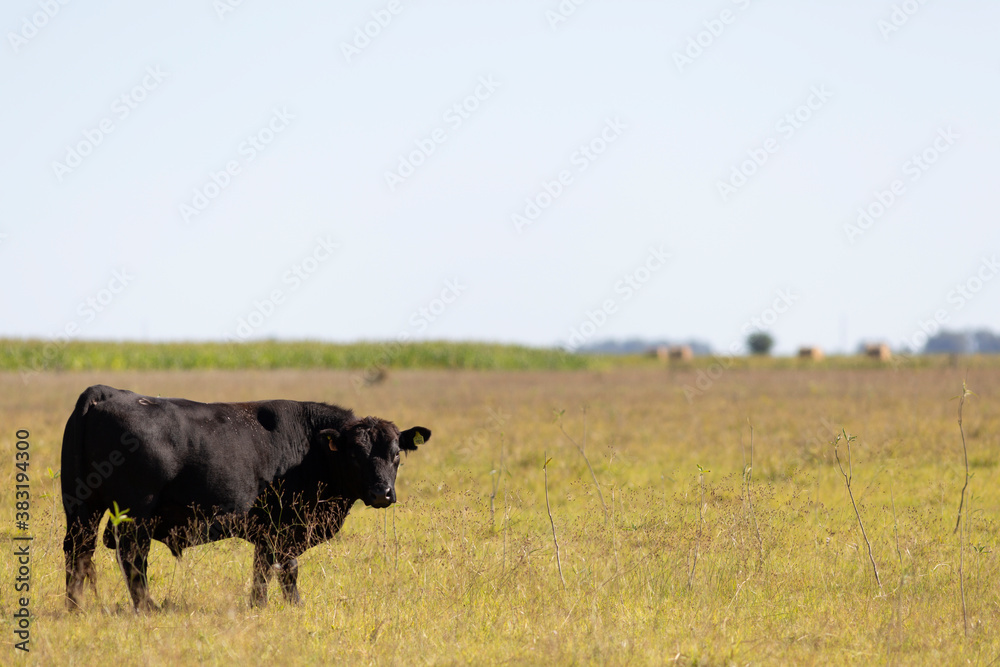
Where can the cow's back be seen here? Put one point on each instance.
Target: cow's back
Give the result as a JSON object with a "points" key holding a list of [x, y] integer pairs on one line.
{"points": [[166, 455]]}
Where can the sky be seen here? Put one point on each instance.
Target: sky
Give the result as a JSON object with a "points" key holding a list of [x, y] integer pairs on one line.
{"points": [[524, 171]]}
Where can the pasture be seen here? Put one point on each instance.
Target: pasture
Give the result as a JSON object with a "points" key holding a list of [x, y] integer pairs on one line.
{"points": [[677, 557]]}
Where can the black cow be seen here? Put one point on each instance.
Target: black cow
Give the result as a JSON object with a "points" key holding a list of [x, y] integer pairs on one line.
{"points": [[279, 474]]}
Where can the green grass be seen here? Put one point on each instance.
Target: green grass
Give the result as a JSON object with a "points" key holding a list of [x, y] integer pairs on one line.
{"points": [[35, 355]]}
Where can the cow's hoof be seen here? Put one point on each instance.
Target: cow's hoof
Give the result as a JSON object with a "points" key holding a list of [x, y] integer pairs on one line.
{"points": [[147, 606]]}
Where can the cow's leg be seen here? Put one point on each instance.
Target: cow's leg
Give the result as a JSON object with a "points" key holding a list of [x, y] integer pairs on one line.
{"points": [[263, 560], [288, 576], [79, 545], [133, 553]]}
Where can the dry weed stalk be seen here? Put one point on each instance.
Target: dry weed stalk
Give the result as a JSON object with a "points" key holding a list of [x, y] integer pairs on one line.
{"points": [[545, 473], [701, 522], [959, 524], [895, 530], [965, 452], [506, 524], [848, 474], [748, 482], [496, 484], [579, 448]]}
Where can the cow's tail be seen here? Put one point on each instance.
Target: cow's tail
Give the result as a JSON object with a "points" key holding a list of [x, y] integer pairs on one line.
{"points": [[73, 445]]}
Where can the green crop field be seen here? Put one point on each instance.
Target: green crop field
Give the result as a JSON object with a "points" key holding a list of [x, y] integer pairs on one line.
{"points": [[672, 551], [30, 357]]}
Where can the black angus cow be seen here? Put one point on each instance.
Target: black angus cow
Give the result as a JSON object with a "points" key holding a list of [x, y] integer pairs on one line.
{"points": [[279, 474]]}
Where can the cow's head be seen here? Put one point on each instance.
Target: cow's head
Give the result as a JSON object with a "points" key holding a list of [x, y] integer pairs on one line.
{"points": [[367, 453]]}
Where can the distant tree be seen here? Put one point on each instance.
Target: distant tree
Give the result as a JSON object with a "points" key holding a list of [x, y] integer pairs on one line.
{"points": [[983, 341], [641, 346], [949, 342], [760, 343], [987, 342]]}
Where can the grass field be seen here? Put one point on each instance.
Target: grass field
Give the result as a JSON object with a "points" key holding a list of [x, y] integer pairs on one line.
{"points": [[674, 566]]}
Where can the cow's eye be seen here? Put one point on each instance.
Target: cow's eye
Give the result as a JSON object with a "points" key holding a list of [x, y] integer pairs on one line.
{"points": [[395, 460]]}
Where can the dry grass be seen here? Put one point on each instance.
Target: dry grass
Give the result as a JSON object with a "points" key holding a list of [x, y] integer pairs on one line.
{"points": [[438, 580]]}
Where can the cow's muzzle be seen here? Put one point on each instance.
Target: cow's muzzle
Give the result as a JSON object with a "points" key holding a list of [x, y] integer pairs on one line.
{"points": [[381, 498]]}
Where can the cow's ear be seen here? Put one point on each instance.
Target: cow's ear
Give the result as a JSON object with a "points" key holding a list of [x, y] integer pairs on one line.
{"points": [[412, 438], [329, 438]]}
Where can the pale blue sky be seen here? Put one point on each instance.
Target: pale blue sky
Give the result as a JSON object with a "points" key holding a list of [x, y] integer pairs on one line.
{"points": [[330, 126]]}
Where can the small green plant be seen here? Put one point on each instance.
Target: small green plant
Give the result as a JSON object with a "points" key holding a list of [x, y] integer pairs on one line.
{"points": [[117, 517], [980, 551]]}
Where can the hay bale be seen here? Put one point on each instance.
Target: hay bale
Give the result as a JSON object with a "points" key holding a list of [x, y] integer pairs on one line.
{"points": [[811, 353], [878, 352], [660, 352], [672, 353], [680, 353]]}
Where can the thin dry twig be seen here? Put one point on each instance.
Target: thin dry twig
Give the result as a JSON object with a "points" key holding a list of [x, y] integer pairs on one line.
{"points": [[496, 484], [748, 475], [555, 540], [586, 460], [965, 453], [848, 474], [895, 529], [960, 526], [701, 523]]}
